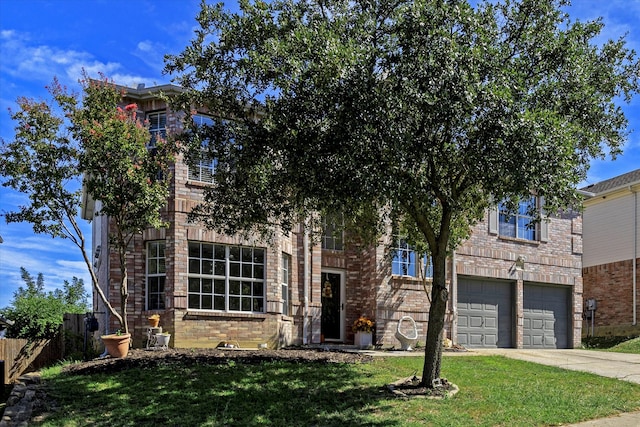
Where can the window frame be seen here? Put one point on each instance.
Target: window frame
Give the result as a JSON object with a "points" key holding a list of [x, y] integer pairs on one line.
{"points": [[285, 271], [222, 280], [413, 265], [203, 168], [517, 225], [160, 274], [332, 235], [160, 129]]}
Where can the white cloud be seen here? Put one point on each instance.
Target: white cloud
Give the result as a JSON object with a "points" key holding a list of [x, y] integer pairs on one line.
{"points": [[23, 60]]}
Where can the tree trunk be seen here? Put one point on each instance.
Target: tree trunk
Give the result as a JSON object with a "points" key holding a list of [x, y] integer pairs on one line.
{"points": [[437, 311]]}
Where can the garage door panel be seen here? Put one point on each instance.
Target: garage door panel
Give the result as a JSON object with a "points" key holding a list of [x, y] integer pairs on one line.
{"points": [[484, 313], [546, 316]]}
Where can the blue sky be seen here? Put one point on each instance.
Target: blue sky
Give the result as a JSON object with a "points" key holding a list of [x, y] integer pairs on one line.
{"points": [[126, 40]]}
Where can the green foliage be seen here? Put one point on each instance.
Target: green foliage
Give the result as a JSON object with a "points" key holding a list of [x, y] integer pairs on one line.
{"points": [[421, 113], [38, 314], [64, 143]]}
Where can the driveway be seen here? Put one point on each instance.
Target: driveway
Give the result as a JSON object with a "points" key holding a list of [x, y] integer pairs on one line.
{"points": [[622, 366]]}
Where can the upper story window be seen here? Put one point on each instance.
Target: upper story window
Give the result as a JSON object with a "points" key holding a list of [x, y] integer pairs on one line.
{"points": [[156, 275], [332, 234], [157, 126], [521, 224], [226, 278], [202, 165], [407, 262]]}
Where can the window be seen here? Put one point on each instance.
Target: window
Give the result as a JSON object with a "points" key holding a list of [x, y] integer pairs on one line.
{"points": [[332, 236], [405, 261], [226, 278], [202, 165], [286, 278], [157, 126], [156, 276], [519, 225]]}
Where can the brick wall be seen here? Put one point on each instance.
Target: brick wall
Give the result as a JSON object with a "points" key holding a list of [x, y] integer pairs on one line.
{"points": [[611, 285]]}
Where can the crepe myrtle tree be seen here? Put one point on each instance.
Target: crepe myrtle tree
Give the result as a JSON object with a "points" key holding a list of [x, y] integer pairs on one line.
{"points": [[419, 113], [63, 144]]}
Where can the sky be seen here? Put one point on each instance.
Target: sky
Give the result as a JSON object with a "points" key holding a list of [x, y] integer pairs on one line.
{"points": [[126, 40]]}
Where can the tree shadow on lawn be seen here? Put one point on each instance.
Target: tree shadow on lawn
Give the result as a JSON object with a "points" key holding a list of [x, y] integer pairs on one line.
{"points": [[220, 392]]}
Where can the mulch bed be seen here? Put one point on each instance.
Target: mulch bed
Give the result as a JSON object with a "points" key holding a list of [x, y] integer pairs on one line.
{"points": [[138, 358]]}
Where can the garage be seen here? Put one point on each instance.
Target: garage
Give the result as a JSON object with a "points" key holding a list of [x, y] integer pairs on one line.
{"points": [[546, 316], [485, 313]]}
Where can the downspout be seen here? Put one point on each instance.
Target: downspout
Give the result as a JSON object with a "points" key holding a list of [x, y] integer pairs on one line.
{"points": [[305, 286], [635, 254]]}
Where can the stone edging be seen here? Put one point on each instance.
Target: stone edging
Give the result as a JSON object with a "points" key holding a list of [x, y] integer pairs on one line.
{"points": [[392, 388]]}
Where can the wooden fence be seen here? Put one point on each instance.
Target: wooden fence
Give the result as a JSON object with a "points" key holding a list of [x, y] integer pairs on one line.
{"points": [[20, 356]]}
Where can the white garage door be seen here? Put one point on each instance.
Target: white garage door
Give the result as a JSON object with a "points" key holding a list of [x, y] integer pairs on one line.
{"points": [[485, 313], [546, 316]]}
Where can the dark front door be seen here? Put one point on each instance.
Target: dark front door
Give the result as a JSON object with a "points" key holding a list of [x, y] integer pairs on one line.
{"points": [[331, 306]]}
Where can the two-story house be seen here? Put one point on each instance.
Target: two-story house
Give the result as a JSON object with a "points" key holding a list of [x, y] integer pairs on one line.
{"points": [[510, 285], [611, 252]]}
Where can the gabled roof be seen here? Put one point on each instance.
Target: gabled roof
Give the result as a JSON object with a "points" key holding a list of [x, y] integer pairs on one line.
{"points": [[615, 183]]}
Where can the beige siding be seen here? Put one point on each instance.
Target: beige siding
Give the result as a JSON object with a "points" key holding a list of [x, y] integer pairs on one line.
{"points": [[610, 224]]}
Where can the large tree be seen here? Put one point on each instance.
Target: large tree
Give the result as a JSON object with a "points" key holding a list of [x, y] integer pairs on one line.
{"points": [[425, 110], [67, 142]]}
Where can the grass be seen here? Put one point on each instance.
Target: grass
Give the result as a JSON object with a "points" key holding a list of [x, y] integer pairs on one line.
{"points": [[618, 344], [629, 346], [494, 391]]}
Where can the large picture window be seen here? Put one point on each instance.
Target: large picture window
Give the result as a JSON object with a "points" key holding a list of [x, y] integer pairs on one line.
{"points": [[156, 276], [518, 225], [226, 278]]}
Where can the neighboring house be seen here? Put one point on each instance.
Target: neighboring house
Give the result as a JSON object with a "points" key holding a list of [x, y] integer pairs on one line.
{"points": [[611, 251], [510, 285]]}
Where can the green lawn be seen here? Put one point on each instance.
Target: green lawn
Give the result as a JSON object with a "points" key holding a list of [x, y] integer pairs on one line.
{"points": [[493, 391], [630, 346]]}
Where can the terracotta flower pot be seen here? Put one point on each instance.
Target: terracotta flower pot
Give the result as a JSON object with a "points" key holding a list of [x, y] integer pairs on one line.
{"points": [[117, 345], [153, 322]]}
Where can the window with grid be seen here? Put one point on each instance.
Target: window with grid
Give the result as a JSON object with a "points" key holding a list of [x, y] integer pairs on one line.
{"points": [[226, 278], [202, 165], [286, 278], [407, 262], [157, 126], [519, 225], [332, 236], [156, 276]]}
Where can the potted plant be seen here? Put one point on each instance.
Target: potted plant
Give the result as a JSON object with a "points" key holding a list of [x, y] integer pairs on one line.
{"points": [[162, 340], [117, 345], [154, 319], [363, 329]]}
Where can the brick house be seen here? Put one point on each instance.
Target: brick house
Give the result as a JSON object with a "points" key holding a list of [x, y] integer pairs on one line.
{"points": [[510, 285], [611, 250]]}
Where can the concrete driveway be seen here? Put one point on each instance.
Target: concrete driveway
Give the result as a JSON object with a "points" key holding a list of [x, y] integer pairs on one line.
{"points": [[622, 366]]}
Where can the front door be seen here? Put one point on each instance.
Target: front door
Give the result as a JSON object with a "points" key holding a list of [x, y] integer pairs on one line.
{"points": [[332, 306]]}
